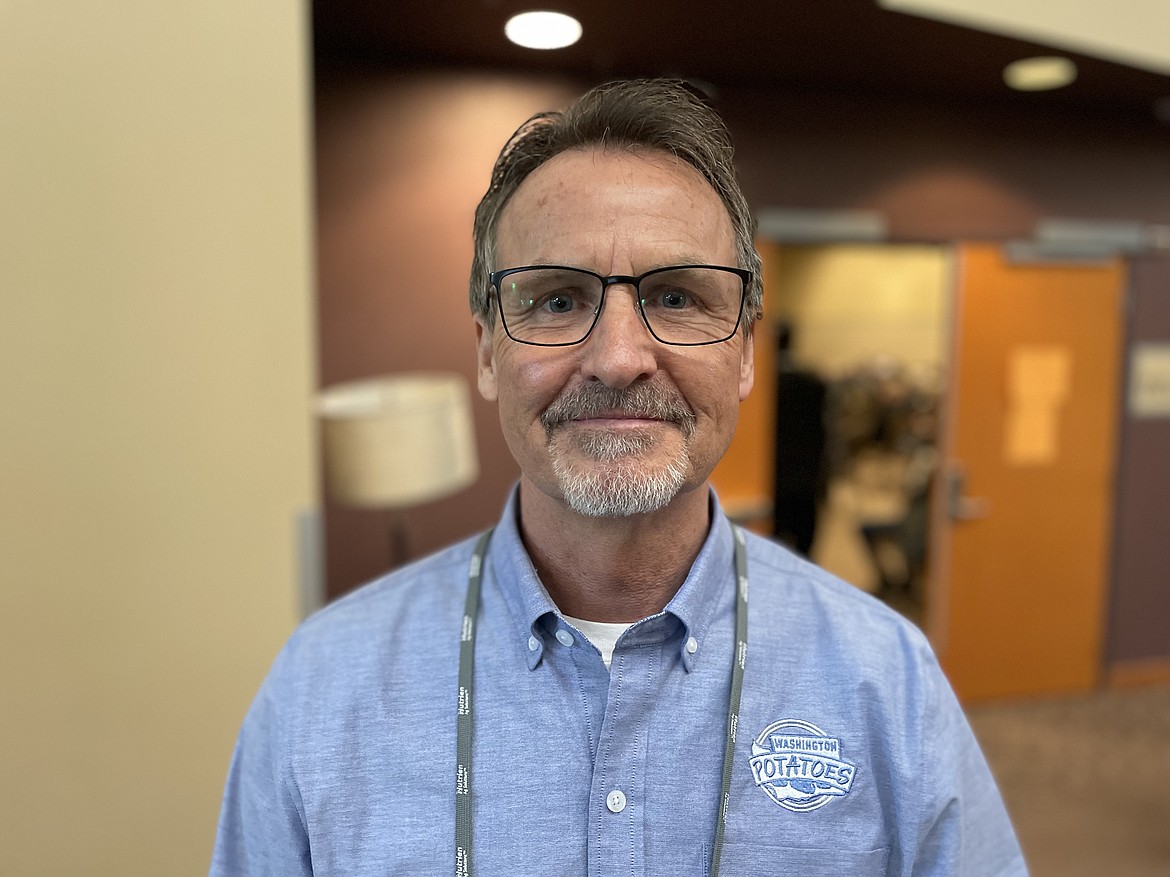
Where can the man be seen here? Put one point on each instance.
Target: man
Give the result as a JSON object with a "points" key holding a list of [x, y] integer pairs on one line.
{"points": [[606, 702], [800, 476]]}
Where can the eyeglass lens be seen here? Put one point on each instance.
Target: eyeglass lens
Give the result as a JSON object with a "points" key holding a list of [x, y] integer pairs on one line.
{"points": [[686, 305]]}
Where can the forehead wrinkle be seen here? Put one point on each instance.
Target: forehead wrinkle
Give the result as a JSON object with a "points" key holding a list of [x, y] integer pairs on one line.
{"points": [[560, 218]]}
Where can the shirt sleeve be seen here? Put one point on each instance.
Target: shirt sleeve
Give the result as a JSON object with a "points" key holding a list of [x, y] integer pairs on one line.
{"points": [[261, 824], [965, 830]]}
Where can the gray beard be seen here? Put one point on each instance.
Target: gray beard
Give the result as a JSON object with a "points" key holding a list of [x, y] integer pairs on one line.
{"points": [[624, 486]]}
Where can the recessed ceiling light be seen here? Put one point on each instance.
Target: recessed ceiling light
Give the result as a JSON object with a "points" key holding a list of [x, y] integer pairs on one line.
{"points": [[1040, 74], [543, 30]]}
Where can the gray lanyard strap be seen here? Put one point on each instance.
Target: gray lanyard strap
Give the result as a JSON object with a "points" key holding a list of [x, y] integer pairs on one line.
{"points": [[463, 722], [737, 666]]}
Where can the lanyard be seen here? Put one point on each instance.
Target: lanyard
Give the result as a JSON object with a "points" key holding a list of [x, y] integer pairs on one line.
{"points": [[463, 720]]}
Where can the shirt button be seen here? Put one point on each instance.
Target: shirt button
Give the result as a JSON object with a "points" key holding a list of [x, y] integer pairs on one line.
{"points": [[615, 801], [564, 637], [533, 644], [692, 646]]}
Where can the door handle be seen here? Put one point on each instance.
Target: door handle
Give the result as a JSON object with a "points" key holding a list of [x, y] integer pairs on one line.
{"points": [[961, 507]]}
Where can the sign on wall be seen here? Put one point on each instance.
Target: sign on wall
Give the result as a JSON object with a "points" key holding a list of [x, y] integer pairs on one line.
{"points": [[1149, 381]]}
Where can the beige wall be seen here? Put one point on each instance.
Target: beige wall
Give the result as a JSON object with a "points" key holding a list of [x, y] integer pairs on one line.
{"points": [[155, 442]]}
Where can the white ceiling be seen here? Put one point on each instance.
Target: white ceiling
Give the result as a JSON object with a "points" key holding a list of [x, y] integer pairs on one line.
{"points": [[1132, 32]]}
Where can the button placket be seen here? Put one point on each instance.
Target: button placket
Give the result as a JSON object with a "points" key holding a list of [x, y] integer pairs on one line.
{"points": [[617, 825]]}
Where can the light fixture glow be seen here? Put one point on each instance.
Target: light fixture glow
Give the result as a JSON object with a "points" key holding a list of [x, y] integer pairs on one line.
{"points": [[543, 30], [1040, 74]]}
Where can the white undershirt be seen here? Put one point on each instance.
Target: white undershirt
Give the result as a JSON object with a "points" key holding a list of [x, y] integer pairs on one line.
{"points": [[603, 634]]}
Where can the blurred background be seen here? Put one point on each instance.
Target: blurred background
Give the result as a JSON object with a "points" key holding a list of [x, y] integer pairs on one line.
{"points": [[210, 213]]}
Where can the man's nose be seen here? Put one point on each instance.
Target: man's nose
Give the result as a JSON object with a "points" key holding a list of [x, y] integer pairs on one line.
{"points": [[620, 350]]}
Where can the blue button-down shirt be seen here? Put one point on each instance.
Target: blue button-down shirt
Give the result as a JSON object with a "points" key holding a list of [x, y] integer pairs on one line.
{"points": [[852, 756]]}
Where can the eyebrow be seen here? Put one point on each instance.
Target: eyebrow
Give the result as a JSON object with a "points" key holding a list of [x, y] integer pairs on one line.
{"points": [[680, 262]]}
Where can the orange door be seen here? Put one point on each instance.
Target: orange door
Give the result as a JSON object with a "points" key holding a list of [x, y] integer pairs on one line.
{"points": [[1022, 520]]}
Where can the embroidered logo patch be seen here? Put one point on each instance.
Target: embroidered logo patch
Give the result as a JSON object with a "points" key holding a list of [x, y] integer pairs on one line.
{"points": [[800, 766]]}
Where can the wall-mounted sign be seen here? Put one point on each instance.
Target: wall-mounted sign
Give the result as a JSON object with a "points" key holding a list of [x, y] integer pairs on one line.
{"points": [[1149, 380], [1039, 380]]}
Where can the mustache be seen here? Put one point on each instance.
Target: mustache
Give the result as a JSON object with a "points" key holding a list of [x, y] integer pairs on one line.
{"points": [[645, 400]]}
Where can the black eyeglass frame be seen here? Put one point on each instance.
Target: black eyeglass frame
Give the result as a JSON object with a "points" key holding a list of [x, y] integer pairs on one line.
{"points": [[743, 274]]}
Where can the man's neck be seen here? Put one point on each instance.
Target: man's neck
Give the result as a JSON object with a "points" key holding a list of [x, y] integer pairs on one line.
{"points": [[612, 569]]}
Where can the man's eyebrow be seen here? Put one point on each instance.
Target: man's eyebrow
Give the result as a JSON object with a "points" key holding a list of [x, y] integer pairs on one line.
{"points": [[686, 263], [673, 262], [692, 263]]}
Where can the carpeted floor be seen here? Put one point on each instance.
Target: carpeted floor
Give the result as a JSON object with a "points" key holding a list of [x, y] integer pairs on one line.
{"points": [[1086, 779]]}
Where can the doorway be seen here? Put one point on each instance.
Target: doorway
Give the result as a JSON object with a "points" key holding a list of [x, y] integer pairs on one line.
{"points": [[869, 324], [967, 470]]}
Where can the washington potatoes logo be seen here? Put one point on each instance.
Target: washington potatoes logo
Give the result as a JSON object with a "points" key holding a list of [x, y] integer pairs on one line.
{"points": [[799, 765]]}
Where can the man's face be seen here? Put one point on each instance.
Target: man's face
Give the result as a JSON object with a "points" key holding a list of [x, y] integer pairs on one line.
{"points": [[620, 423]]}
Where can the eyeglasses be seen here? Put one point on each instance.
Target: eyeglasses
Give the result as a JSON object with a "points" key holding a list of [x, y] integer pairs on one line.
{"points": [[555, 306]]}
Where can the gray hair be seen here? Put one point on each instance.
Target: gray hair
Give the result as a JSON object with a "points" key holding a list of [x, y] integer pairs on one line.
{"points": [[658, 114]]}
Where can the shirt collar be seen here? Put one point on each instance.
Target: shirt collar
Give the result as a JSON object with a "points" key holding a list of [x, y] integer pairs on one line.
{"points": [[708, 587]]}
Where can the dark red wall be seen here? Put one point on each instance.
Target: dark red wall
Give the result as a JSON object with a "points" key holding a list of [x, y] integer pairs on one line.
{"points": [[945, 171], [1140, 623]]}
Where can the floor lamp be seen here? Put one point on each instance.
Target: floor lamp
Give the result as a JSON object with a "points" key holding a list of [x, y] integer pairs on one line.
{"points": [[398, 441]]}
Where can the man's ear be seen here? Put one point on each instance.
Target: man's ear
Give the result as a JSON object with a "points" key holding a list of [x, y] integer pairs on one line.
{"points": [[747, 365], [486, 360]]}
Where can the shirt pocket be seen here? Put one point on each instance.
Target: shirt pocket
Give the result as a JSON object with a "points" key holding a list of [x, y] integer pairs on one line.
{"points": [[763, 860]]}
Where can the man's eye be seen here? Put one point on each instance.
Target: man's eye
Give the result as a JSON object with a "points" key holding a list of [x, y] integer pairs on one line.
{"points": [[675, 299], [559, 304]]}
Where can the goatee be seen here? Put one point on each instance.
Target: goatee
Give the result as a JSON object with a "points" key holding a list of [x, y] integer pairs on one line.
{"points": [[627, 484]]}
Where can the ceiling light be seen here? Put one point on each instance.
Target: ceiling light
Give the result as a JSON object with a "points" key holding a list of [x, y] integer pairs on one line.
{"points": [[543, 30], [1039, 74]]}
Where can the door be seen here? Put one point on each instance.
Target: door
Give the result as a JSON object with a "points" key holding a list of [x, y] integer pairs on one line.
{"points": [[1022, 518]]}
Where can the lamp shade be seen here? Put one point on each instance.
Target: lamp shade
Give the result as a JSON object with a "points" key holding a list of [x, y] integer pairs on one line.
{"points": [[398, 440]]}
